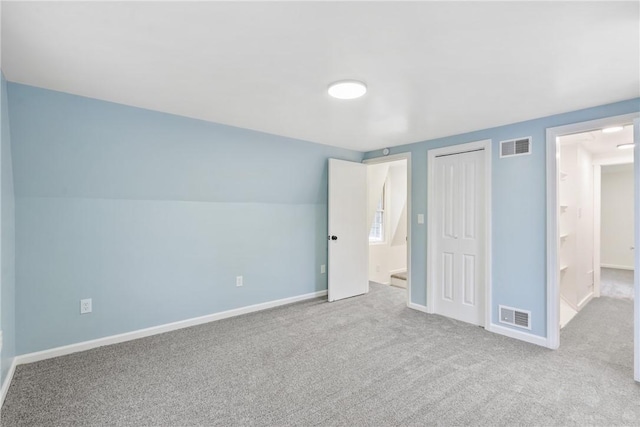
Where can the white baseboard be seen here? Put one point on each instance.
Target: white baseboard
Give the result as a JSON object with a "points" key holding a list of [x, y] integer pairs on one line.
{"points": [[585, 301], [519, 335], [619, 267], [141, 333], [418, 307], [7, 382], [497, 329]]}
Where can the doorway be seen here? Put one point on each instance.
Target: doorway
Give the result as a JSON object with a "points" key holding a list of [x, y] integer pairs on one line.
{"points": [[596, 217], [615, 228], [458, 259], [388, 214], [555, 234]]}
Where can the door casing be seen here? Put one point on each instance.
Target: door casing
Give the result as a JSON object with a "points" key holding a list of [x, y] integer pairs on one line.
{"points": [[553, 178]]}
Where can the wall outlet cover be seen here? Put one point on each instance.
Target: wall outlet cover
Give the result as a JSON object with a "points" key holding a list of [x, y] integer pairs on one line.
{"points": [[85, 306]]}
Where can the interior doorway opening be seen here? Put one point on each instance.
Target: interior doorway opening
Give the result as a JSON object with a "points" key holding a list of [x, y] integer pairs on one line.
{"points": [[554, 206], [595, 219], [388, 219], [617, 246]]}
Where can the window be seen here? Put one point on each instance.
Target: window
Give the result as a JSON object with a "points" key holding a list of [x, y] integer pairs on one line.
{"points": [[376, 234]]}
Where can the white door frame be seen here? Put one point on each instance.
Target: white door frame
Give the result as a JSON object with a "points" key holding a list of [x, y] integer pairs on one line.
{"points": [[431, 225], [393, 158], [553, 206], [636, 276]]}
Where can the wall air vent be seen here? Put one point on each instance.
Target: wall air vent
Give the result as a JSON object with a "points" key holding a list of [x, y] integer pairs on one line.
{"points": [[515, 147], [515, 317]]}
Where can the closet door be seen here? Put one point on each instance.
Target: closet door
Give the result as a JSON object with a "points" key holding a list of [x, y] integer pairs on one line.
{"points": [[459, 187]]}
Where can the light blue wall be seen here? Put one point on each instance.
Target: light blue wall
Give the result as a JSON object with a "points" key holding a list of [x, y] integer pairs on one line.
{"points": [[7, 240], [519, 210], [153, 216]]}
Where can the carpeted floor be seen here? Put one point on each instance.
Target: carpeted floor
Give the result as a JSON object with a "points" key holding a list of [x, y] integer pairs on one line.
{"points": [[616, 283], [365, 361]]}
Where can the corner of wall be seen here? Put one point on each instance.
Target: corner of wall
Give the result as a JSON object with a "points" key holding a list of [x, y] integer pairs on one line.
{"points": [[7, 247]]}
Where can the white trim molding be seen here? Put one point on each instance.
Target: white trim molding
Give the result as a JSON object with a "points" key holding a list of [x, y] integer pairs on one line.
{"points": [[392, 158], [617, 267], [553, 207], [417, 307], [7, 382], [519, 335], [431, 206], [155, 330], [597, 226], [636, 280]]}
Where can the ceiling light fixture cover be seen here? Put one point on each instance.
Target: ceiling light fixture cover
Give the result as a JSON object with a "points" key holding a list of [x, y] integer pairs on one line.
{"points": [[626, 146], [612, 129], [347, 89]]}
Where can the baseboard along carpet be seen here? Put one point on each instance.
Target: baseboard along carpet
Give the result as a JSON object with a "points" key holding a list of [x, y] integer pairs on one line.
{"points": [[364, 361]]}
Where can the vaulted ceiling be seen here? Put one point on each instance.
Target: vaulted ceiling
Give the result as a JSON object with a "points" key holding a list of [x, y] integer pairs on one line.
{"points": [[432, 68]]}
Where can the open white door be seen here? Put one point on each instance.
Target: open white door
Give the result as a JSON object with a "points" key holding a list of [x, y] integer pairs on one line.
{"points": [[348, 233]]}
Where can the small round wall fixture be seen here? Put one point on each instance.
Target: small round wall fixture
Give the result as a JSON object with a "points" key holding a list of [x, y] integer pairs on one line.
{"points": [[385, 152], [347, 89]]}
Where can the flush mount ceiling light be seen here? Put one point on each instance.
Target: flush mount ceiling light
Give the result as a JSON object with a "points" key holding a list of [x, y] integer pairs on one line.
{"points": [[612, 129], [625, 146], [347, 89]]}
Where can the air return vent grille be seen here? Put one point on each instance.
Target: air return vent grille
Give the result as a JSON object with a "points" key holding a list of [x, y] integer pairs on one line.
{"points": [[515, 317], [515, 147]]}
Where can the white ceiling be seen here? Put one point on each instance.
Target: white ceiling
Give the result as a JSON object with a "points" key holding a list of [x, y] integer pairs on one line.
{"points": [[598, 142], [433, 68]]}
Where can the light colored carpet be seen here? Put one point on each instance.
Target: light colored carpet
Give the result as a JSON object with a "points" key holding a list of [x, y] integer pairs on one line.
{"points": [[364, 361], [616, 283]]}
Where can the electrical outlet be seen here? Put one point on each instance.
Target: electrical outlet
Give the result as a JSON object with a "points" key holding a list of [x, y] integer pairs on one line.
{"points": [[238, 280], [420, 218], [85, 306], [323, 269]]}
